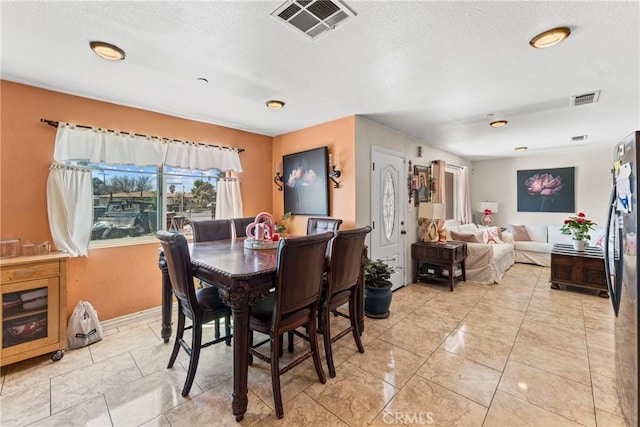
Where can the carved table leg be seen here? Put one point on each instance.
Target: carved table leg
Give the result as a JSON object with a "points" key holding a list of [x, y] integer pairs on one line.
{"points": [[554, 286], [360, 293], [167, 299], [240, 360]]}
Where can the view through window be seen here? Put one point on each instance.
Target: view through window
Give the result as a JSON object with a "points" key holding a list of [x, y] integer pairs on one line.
{"points": [[127, 203]]}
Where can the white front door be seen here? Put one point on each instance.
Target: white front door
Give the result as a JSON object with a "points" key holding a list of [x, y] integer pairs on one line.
{"points": [[388, 237]]}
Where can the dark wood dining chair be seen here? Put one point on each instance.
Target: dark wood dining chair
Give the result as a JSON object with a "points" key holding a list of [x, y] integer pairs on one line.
{"points": [[341, 287], [206, 231], [322, 225], [240, 225], [201, 306], [300, 266], [211, 229]]}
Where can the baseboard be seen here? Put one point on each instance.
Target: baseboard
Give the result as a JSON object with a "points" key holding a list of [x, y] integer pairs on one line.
{"points": [[126, 319]]}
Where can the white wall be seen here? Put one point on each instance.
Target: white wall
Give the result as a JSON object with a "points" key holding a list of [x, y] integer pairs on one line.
{"points": [[370, 133], [495, 180]]}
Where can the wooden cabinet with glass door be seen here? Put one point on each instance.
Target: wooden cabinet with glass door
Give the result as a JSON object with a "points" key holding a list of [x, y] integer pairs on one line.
{"points": [[33, 312]]}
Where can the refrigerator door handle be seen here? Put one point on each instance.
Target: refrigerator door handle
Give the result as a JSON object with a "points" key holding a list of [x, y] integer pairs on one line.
{"points": [[614, 278]]}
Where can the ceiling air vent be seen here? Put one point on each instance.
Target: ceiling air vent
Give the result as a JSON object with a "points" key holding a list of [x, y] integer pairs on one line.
{"points": [[587, 98], [313, 17], [579, 138]]}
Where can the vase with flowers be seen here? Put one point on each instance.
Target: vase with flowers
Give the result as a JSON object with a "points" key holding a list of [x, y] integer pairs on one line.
{"points": [[487, 219], [578, 227]]}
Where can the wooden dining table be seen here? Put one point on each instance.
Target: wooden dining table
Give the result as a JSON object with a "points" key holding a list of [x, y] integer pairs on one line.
{"points": [[243, 278]]}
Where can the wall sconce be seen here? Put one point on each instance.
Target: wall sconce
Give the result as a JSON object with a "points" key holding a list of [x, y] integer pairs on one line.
{"points": [[334, 172], [278, 178]]}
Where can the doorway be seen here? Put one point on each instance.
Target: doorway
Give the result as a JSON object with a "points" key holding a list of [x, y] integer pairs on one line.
{"points": [[388, 235]]}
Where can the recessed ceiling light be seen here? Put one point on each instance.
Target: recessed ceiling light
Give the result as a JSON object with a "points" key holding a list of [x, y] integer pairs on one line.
{"points": [[274, 104], [550, 37], [107, 51], [521, 148], [498, 123]]}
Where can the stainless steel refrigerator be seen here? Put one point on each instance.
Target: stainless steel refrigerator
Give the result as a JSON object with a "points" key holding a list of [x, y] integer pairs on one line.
{"points": [[622, 266]]}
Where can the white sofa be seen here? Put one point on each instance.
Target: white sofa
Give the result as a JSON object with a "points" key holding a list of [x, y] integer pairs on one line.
{"points": [[486, 263], [540, 240]]}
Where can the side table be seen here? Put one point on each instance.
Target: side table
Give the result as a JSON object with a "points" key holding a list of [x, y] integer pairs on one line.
{"points": [[447, 255], [580, 269]]}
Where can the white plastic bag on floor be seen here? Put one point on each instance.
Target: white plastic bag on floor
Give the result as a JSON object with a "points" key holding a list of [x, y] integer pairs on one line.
{"points": [[84, 327]]}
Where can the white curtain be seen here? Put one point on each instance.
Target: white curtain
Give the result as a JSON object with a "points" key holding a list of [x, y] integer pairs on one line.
{"points": [[99, 145], [70, 208], [188, 155], [229, 199], [463, 202]]}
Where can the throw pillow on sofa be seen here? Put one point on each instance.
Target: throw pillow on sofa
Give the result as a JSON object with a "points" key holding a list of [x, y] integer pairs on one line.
{"points": [[466, 237], [520, 233], [491, 235]]}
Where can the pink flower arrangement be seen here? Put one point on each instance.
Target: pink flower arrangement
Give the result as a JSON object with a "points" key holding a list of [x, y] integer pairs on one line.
{"points": [[578, 226], [487, 212]]}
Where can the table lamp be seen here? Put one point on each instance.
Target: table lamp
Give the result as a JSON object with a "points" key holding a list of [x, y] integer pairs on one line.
{"points": [[487, 209], [431, 212]]}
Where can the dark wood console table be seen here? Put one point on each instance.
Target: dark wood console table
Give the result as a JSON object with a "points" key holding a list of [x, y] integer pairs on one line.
{"points": [[447, 255], [580, 269]]}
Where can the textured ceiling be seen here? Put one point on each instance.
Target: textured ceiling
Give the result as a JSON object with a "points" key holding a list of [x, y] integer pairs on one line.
{"points": [[432, 70]]}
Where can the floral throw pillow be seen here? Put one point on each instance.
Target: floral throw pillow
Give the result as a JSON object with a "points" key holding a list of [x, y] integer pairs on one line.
{"points": [[490, 235]]}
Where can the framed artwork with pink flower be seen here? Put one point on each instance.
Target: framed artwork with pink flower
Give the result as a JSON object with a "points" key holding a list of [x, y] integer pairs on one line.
{"points": [[306, 189], [546, 190]]}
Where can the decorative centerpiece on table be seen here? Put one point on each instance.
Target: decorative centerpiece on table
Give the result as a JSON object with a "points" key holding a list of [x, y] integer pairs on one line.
{"points": [[578, 227], [261, 233]]}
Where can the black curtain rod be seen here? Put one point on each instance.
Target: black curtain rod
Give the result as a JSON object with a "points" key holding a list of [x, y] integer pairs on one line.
{"points": [[55, 125]]}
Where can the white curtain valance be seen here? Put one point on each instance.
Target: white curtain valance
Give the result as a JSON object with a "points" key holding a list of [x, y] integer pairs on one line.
{"points": [[189, 155], [99, 145]]}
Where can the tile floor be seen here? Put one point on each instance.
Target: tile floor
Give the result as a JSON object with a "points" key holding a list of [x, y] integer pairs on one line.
{"points": [[517, 353]]}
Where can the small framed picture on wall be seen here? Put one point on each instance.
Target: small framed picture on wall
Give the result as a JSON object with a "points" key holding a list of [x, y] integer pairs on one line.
{"points": [[422, 177]]}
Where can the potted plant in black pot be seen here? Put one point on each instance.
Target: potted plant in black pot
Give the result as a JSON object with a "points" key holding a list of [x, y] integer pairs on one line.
{"points": [[377, 291]]}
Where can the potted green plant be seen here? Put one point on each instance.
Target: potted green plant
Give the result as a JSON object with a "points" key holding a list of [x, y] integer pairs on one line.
{"points": [[281, 228], [377, 292]]}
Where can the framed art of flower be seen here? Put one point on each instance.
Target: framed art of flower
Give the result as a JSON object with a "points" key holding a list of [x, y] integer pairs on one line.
{"points": [[546, 190], [306, 189]]}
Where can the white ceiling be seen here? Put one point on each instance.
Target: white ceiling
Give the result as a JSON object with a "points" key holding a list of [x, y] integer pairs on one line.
{"points": [[430, 69]]}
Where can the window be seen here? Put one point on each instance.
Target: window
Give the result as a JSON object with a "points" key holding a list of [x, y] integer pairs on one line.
{"points": [[133, 201], [127, 203]]}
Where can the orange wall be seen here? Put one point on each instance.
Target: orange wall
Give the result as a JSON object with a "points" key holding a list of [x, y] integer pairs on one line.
{"points": [[118, 280], [339, 136]]}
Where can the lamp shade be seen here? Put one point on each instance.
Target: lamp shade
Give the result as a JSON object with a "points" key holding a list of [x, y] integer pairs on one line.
{"points": [[431, 210], [492, 206]]}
